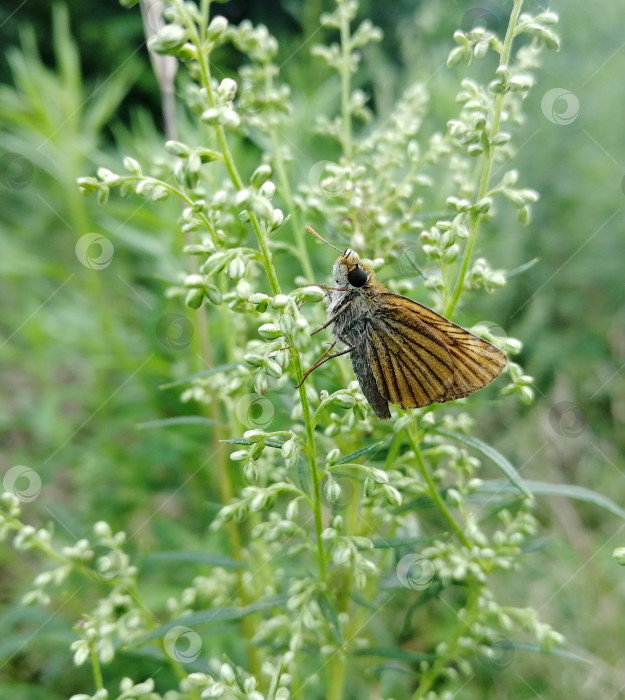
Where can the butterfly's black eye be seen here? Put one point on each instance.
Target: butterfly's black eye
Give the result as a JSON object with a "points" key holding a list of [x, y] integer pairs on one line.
{"points": [[357, 277]]}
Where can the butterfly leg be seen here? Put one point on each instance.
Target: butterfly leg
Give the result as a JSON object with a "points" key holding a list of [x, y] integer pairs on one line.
{"points": [[324, 358], [332, 319]]}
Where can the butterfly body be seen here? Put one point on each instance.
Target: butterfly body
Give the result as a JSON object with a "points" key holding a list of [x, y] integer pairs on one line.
{"points": [[401, 351]]}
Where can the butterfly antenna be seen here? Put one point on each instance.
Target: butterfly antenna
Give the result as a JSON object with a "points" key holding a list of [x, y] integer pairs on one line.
{"points": [[322, 239]]}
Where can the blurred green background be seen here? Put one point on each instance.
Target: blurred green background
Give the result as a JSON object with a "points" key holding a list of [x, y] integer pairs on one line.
{"points": [[84, 351]]}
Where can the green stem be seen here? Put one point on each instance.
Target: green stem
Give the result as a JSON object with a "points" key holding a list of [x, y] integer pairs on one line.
{"points": [[337, 669], [345, 70], [287, 194], [297, 224], [465, 625], [312, 461], [489, 157], [432, 489], [95, 665], [275, 288]]}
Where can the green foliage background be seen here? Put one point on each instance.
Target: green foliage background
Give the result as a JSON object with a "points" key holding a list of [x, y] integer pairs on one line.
{"points": [[82, 362]]}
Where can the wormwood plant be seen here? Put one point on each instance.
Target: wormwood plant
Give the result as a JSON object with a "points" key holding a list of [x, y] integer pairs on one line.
{"points": [[358, 557]]}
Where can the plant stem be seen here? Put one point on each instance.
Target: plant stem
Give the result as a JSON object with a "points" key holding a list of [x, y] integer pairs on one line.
{"points": [[275, 288], [337, 668], [287, 194], [432, 489], [95, 665], [345, 70], [465, 623], [312, 460], [489, 157]]}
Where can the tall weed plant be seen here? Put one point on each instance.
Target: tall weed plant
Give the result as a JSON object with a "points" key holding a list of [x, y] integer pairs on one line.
{"points": [[342, 557]]}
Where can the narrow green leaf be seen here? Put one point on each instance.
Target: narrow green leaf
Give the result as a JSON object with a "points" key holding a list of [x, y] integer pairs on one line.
{"points": [[204, 373], [536, 545], [218, 616], [332, 618], [419, 503], [358, 453], [177, 420], [393, 542], [196, 558], [521, 269], [506, 467], [554, 651], [244, 441], [364, 603], [396, 653], [544, 488]]}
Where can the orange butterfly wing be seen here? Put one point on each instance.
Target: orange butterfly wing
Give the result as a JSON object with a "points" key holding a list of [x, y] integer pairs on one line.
{"points": [[419, 357]]}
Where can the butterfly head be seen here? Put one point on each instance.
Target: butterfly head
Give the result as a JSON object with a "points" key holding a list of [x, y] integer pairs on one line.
{"points": [[349, 272]]}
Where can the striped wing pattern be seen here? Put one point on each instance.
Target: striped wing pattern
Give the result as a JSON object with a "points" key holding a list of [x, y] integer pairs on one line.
{"points": [[419, 357]]}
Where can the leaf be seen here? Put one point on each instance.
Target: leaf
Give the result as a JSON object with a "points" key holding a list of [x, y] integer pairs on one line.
{"points": [[544, 488], [419, 503], [204, 373], [506, 467], [358, 453], [393, 542], [396, 653], [366, 604], [330, 615], [205, 618], [537, 649], [244, 441], [196, 558], [536, 545], [521, 269], [177, 420]]}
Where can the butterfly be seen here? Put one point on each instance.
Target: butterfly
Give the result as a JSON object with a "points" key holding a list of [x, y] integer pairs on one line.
{"points": [[402, 352]]}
